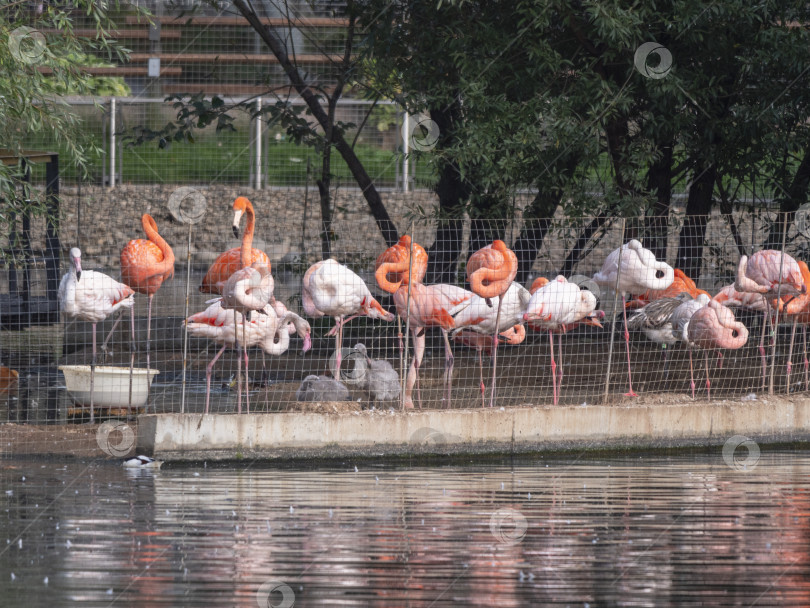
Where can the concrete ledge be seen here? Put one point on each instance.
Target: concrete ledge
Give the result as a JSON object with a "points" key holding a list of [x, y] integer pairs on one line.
{"points": [[178, 437]]}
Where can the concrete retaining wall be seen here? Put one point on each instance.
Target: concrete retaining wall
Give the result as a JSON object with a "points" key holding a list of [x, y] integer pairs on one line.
{"points": [[376, 433]]}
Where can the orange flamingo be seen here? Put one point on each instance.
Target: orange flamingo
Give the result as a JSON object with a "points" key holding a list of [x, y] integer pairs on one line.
{"points": [[430, 306], [239, 257], [490, 271], [680, 284], [714, 326], [145, 264]]}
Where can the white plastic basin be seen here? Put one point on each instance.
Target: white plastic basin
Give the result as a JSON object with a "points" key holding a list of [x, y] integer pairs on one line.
{"points": [[111, 388]]}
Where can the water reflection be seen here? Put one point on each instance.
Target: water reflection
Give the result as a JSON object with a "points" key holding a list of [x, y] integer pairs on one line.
{"points": [[640, 531]]}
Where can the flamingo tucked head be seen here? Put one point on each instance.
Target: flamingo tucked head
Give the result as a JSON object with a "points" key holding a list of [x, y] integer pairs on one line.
{"points": [[537, 284], [793, 305], [76, 261], [491, 270], [769, 271], [394, 267], [714, 326]]}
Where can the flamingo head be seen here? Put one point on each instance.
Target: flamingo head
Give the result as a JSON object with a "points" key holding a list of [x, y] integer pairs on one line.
{"points": [[76, 260], [731, 333], [240, 206], [594, 318], [538, 283], [514, 335]]}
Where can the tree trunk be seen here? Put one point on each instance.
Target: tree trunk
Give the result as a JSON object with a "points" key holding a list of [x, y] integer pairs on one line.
{"points": [[537, 221], [794, 198], [659, 181], [453, 192], [277, 46], [693, 232]]}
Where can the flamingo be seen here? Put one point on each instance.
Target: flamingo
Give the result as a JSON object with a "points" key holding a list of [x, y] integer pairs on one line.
{"points": [[655, 320], [798, 308], [430, 306], [239, 257], [714, 326], [680, 319], [331, 289], [91, 296], [640, 271], [480, 317], [680, 284], [770, 273], [266, 330], [246, 290], [514, 335], [490, 271], [555, 307], [145, 264]]}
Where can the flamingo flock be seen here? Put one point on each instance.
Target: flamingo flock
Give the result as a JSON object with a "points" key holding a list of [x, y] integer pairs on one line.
{"points": [[665, 305]]}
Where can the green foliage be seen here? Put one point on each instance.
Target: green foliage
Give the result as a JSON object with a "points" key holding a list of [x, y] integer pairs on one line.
{"points": [[36, 68]]}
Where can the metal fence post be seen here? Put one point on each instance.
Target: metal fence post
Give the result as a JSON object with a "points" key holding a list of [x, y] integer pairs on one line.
{"points": [[258, 143], [406, 146], [112, 142]]}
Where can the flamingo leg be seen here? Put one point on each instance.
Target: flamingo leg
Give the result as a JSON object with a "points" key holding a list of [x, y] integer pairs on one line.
{"points": [[109, 335], [630, 393], [666, 358], [553, 365], [691, 374], [244, 347], [148, 336], [208, 369], [790, 351], [560, 366], [495, 352], [132, 349], [93, 376], [481, 376], [413, 372], [806, 362], [449, 360], [238, 364], [719, 360], [762, 348], [708, 383]]}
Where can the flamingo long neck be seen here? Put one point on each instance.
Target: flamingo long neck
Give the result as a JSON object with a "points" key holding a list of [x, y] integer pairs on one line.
{"points": [[247, 236], [382, 275], [150, 228]]}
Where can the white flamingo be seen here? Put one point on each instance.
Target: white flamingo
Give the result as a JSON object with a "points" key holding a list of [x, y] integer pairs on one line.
{"points": [[680, 319], [331, 289], [640, 271], [91, 296], [556, 306], [264, 329]]}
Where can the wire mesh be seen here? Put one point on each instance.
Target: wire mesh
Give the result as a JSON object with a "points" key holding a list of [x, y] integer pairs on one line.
{"points": [[35, 347]]}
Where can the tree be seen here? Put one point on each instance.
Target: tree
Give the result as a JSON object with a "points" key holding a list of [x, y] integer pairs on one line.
{"points": [[36, 68]]}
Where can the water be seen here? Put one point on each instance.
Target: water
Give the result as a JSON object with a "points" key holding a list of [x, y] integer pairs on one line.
{"points": [[636, 530]]}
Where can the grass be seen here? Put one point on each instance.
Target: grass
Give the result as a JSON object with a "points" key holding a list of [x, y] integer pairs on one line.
{"points": [[228, 159]]}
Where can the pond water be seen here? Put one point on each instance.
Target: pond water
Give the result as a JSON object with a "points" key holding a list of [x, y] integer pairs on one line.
{"points": [[567, 530]]}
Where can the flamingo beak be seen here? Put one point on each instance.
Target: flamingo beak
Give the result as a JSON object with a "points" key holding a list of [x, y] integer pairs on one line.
{"points": [[526, 316], [77, 264], [237, 216], [307, 343], [591, 321]]}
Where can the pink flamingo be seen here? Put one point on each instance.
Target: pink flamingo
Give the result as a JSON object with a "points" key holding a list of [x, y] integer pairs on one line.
{"points": [[770, 273], [331, 289], [246, 290], [490, 271], [640, 271], [514, 335], [264, 329], [480, 317], [713, 326], [798, 309], [430, 306], [555, 307], [91, 296]]}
